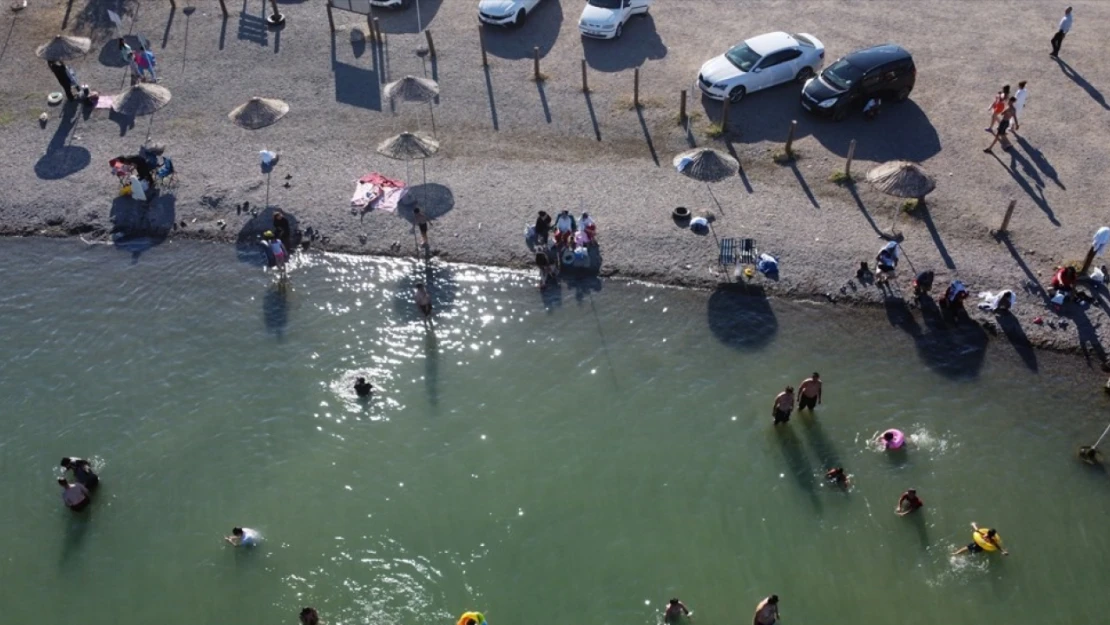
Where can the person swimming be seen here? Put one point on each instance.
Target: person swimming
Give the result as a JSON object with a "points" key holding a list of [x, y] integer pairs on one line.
{"points": [[363, 388], [837, 476], [75, 496], [309, 616], [908, 502], [243, 537], [767, 612], [82, 471], [988, 536], [674, 611]]}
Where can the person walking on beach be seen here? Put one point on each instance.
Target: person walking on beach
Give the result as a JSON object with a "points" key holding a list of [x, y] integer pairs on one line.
{"points": [[1003, 125], [421, 221], [998, 106], [1064, 29], [243, 537], [809, 392], [128, 56], [75, 496], [767, 612], [62, 74], [82, 472], [1020, 96], [144, 60], [674, 611], [423, 301], [908, 502], [783, 406]]}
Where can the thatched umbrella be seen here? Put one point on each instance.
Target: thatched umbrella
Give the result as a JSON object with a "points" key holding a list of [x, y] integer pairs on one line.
{"points": [[141, 99], [901, 179], [413, 89], [63, 48], [409, 146], [707, 165], [258, 113]]}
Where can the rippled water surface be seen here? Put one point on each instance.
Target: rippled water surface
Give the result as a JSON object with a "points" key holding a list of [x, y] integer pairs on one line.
{"points": [[576, 455]]}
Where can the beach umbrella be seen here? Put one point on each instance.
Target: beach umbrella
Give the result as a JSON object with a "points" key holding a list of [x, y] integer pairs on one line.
{"points": [[141, 99], [707, 165], [63, 48], [258, 112], [901, 179], [409, 146], [414, 89]]}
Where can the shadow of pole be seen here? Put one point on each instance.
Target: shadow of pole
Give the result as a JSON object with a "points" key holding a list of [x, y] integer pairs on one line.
{"points": [[489, 94], [802, 182], [647, 135], [927, 217], [1033, 285], [863, 209], [543, 101], [593, 115]]}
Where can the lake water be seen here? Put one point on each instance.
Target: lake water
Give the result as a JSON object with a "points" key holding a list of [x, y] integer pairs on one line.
{"points": [[576, 455]]}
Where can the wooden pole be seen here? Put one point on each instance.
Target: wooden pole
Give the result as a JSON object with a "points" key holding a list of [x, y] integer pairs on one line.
{"points": [[1087, 262], [1006, 219], [848, 163], [431, 46], [482, 41], [636, 88], [682, 107], [724, 115], [173, 5], [223, 8], [536, 63], [378, 30], [370, 26], [790, 137], [585, 83]]}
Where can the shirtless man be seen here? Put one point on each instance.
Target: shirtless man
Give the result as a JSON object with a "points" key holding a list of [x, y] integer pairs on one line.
{"points": [[784, 404], [767, 612], [908, 502], [809, 392], [674, 611], [423, 300]]}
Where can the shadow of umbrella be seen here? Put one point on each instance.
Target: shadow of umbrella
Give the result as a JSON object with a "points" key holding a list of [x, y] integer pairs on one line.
{"points": [[706, 165], [436, 201], [409, 146], [138, 226], [109, 53], [741, 317], [60, 159], [247, 244]]}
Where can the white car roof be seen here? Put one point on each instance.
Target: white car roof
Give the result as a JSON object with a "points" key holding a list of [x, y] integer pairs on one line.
{"points": [[771, 42]]}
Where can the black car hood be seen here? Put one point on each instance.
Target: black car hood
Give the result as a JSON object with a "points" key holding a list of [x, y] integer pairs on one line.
{"points": [[818, 90]]}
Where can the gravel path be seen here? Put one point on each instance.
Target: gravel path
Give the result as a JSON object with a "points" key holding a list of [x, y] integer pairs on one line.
{"points": [[512, 146]]}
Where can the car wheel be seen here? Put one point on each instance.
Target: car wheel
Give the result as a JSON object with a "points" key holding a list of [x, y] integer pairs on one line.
{"points": [[840, 113], [903, 95], [804, 74], [620, 29], [518, 21], [737, 94]]}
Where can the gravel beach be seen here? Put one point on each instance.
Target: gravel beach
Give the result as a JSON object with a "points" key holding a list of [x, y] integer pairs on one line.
{"points": [[512, 146]]}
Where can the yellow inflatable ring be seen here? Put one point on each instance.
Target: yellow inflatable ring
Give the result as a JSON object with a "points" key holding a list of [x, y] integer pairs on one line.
{"points": [[476, 617], [980, 538]]}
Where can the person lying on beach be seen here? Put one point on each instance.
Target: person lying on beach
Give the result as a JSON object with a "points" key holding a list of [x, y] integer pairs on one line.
{"points": [[82, 471], [243, 537], [908, 502], [674, 611]]}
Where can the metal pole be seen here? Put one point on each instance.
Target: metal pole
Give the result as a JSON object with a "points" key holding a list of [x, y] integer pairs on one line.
{"points": [[1006, 219], [536, 62], [1095, 446], [585, 84], [682, 107], [431, 46], [636, 88], [378, 30], [482, 41], [790, 138], [848, 163]]}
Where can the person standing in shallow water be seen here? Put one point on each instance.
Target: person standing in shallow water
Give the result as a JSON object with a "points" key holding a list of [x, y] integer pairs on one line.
{"points": [[309, 616], [421, 221], [363, 388], [809, 392], [82, 471], [674, 611], [767, 612], [783, 406], [423, 301], [75, 496]]}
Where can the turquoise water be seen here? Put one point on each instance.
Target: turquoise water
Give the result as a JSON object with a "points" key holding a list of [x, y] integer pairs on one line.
{"points": [[580, 454]]}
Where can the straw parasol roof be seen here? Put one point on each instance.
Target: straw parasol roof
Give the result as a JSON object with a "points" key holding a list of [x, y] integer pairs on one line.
{"points": [[142, 99], [412, 89], [901, 179], [706, 165], [409, 146], [258, 113], [63, 48]]}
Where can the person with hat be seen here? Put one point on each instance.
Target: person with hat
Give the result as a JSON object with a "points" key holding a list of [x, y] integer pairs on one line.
{"points": [[275, 249]]}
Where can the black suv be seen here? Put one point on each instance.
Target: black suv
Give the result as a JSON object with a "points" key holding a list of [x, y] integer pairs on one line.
{"points": [[885, 71]]}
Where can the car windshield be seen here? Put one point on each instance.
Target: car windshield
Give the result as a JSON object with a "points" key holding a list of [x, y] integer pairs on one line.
{"points": [[842, 74], [743, 57], [606, 4]]}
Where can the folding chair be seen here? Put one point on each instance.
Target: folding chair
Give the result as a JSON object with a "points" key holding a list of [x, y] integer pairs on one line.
{"points": [[737, 252]]}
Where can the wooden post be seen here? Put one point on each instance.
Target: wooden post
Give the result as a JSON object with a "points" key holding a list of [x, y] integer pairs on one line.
{"points": [[848, 163], [682, 107], [223, 8], [1006, 219], [636, 88], [431, 46], [482, 41], [173, 5], [536, 63], [724, 115], [378, 29], [370, 26], [790, 138], [1087, 262], [585, 83]]}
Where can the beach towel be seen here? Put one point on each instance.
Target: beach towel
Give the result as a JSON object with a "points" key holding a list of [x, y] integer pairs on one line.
{"points": [[375, 191], [991, 300]]}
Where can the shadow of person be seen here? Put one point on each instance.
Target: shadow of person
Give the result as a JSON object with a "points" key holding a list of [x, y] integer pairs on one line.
{"points": [[431, 366], [77, 527], [61, 160], [540, 30], [1078, 79], [1011, 327], [275, 308], [797, 463], [821, 443], [920, 526], [1040, 161], [639, 43], [1089, 343], [955, 352], [741, 317]]}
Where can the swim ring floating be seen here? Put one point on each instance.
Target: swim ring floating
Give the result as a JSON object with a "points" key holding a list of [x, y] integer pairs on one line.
{"points": [[980, 538], [469, 618], [898, 439]]}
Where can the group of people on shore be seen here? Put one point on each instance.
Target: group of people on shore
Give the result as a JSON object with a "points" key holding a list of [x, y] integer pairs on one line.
{"points": [[559, 242]]}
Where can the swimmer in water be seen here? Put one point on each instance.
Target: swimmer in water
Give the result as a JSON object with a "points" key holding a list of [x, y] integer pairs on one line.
{"points": [[767, 612], [243, 537], [990, 536], [838, 476], [423, 301], [82, 471], [75, 496], [908, 502], [886, 439], [784, 404], [309, 616], [363, 388], [674, 611], [809, 392]]}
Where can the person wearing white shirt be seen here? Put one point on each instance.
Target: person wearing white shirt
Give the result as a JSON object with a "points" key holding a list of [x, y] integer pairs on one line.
{"points": [[1065, 28], [1020, 96], [243, 537]]}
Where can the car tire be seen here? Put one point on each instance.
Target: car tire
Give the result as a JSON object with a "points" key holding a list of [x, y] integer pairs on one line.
{"points": [[840, 113], [518, 21], [620, 29], [737, 94], [903, 95], [804, 74]]}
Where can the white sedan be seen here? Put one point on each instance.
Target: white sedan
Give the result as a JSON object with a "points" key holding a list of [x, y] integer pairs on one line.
{"points": [[761, 62], [505, 12], [605, 19]]}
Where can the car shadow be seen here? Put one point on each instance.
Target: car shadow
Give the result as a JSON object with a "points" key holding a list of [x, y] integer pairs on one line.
{"points": [[740, 316], [640, 42], [902, 131], [540, 30]]}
